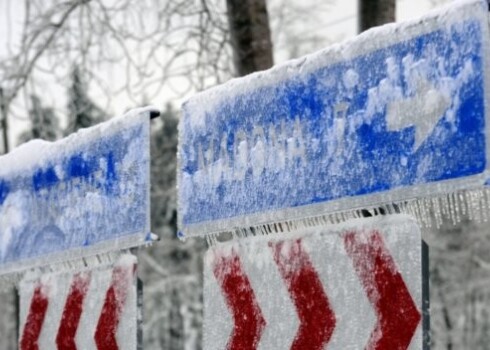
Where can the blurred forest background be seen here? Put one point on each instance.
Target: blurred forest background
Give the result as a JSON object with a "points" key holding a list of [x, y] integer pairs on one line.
{"points": [[66, 65]]}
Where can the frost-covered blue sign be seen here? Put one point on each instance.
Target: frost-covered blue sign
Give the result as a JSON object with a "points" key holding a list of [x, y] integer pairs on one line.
{"points": [[397, 113], [85, 194]]}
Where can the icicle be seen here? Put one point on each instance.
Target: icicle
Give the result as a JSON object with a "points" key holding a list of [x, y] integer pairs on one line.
{"points": [[315, 221], [428, 211], [262, 231], [471, 206], [462, 203], [475, 207], [484, 205], [267, 229], [476, 201], [387, 208], [479, 205], [485, 197], [419, 211], [436, 209], [444, 206], [326, 219], [304, 224], [450, 208], [474, 204], [420, 208], [411, 209], [456, 210], [338, 217]]}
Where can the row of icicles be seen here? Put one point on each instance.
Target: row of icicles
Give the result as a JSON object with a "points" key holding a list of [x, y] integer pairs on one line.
{"points": [[429, 212]]}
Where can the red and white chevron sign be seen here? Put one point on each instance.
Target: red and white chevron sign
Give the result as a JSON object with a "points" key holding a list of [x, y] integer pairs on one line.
{"points": [[354, 286], [93, 309]]}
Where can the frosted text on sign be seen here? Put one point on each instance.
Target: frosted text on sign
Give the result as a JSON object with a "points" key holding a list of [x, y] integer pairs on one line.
{"points": [[283, 145]]}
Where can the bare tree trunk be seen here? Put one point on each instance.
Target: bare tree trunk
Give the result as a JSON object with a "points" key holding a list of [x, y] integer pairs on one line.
{"points": [[250, 35], [374, 13], [3, 115]]}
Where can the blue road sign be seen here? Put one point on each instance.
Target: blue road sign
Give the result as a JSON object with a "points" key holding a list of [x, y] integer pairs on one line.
{"points": [[85, 194], [397, 113]]}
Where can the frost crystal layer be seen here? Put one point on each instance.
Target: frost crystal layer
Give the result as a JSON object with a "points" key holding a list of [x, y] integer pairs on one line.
{"points": [[85, 194], [397, 113]]}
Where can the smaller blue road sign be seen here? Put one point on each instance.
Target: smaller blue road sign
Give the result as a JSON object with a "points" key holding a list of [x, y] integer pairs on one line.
{"points": [[85, 194], [397, 113]]}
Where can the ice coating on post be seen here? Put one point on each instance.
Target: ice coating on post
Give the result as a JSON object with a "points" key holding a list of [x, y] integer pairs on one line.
{"points": [[83, 195], [397, 114], [356, 285]]}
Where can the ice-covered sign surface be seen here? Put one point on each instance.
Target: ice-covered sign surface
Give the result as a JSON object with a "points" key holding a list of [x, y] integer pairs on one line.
{"points": [[85, 194], [92, 309], [396, 113], [355, 286]]}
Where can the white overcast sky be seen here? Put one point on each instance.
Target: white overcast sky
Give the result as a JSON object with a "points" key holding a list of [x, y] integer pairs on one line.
{"points": [[336, 24]]}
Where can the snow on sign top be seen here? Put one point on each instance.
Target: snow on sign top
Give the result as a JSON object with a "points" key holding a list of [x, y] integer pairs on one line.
{"points": [[399, 112], [82, 195]]}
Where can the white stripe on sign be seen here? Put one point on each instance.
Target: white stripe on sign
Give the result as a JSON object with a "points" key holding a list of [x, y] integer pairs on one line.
{"points": [[218, 334], [279, 320], [59, 287], [338, 272], [91, 309], [404, 259], [351, 286], [94, 302]]}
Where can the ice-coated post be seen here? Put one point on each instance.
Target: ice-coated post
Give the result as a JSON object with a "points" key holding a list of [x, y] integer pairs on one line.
{"points": [[425, 296], [154, 114]]}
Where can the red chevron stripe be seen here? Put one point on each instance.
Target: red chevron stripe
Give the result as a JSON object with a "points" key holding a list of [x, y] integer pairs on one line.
{"points": [[35, 319], [248, 319], [398, 316], [317, 319], [65, 339], [105, 334]]}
